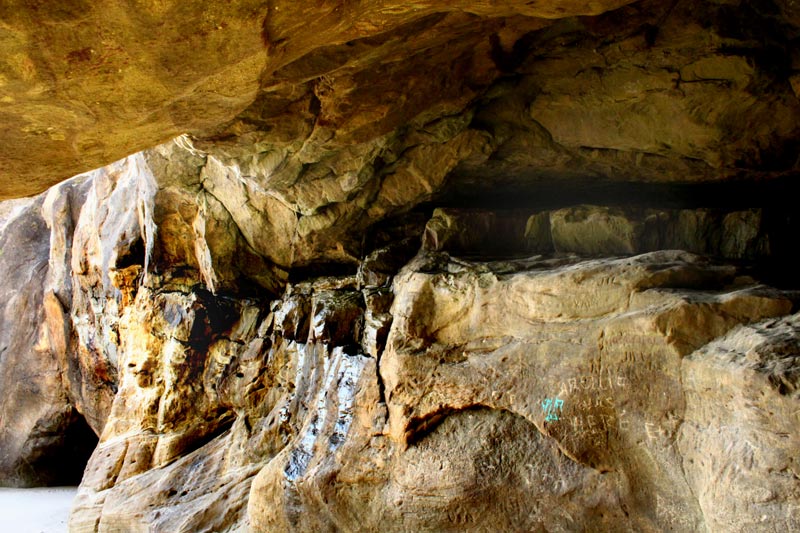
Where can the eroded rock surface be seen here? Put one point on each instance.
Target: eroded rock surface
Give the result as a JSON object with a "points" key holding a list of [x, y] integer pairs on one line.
{"points": [[448, 426], [85, 84], [449, 379], [684, 90], [417, 387], [747, 380], [419, 267]]}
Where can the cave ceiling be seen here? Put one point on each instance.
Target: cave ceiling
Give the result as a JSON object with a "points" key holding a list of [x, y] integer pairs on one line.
{"points": [[648, 91]]}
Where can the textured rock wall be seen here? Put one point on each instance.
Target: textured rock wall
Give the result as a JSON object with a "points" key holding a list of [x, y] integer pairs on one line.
{"points": [[83, 85], [430, 267], [417, 392]]}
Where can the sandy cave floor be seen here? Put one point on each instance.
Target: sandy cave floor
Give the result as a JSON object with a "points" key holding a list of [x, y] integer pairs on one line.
{"points": [[39, 510]]}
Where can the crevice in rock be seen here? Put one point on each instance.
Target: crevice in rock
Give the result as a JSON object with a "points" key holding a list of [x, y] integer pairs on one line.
{"points": [[420, 427], [223, 425], [133, 256]]}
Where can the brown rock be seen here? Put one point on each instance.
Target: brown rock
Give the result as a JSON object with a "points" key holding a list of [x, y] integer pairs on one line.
{"points": [[104, 81], [646, 91], [448, 426], [737, 387], [240, 314], [44, 441]]}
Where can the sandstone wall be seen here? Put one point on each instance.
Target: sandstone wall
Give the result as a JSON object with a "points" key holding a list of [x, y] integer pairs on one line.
{"points": [[430, 267]]}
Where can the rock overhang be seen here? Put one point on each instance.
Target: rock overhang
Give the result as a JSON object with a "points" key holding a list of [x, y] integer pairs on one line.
{"points": [[629, 90]]}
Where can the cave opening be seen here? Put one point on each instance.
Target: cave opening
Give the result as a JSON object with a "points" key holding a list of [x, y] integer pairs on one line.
{"points": [[61, 455]]}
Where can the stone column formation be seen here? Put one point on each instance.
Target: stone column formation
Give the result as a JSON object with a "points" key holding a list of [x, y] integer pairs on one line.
{"points": [[421, 266]]}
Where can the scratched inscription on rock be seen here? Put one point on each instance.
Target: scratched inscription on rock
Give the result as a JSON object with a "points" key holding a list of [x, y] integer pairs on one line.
{"points": [[592, 412], [593, 382]]}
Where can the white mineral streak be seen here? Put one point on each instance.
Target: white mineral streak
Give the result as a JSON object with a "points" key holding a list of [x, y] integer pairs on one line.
{"points": [[146, 194]]}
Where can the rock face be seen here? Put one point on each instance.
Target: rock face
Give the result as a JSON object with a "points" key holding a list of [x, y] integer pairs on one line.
{"points": [[570, 383], [85, 84], [691, 89], [43, 439], [448, 382], [424, 267]]}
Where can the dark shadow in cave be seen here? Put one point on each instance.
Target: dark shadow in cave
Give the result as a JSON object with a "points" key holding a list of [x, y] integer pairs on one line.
{"points": [[538, 193], [775, 196], [61, 461], [135, 255], [322, 269]]}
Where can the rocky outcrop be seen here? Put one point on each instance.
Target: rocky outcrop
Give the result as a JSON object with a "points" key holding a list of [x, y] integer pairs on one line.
{"points": [[560, 382], [416, 268], [511, 361], [474, 362], [746, 379], [43, 438]]}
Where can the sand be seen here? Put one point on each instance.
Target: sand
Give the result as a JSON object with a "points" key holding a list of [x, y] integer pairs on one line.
{"points": [[41, 510]]}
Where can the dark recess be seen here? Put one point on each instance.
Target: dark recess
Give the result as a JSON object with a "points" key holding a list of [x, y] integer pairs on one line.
{"points": [[777, 193], [134, 255], [61, 456], [777, 197], [298, 274]]}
